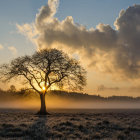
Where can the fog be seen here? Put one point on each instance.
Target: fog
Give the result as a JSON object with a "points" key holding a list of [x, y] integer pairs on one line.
{"points": [[14, 102]]}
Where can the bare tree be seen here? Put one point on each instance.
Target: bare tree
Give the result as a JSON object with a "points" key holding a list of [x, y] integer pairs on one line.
{"points": [[45, 69]]}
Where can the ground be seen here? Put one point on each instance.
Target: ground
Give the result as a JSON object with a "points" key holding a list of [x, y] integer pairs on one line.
{"points": [[70, 124]]}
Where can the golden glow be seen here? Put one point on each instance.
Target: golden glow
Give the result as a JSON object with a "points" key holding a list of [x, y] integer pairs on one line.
{"points": [[54, 87], [44, 88]]}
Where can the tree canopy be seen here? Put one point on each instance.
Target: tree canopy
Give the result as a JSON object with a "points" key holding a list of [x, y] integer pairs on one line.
{"points": [[45, 69]]}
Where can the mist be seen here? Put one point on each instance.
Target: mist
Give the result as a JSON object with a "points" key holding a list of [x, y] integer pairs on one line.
{"points": [[54, 102]]}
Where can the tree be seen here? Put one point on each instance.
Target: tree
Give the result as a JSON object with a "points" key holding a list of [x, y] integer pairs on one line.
{"points": [[12, 88], [45, 69]]}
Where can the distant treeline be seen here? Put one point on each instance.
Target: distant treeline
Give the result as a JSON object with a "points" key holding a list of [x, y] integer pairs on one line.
{"points": [[84, 96], [12, 93]]}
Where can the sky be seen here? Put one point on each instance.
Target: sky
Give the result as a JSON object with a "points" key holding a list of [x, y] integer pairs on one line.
{"points": [[104, 34]]}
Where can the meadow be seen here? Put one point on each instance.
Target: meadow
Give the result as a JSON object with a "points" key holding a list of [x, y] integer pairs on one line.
{"points": [[70, 124]]}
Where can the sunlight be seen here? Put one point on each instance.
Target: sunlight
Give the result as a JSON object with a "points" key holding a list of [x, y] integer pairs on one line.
{"points": [[54, 87], [47, 83], [44, 88]]}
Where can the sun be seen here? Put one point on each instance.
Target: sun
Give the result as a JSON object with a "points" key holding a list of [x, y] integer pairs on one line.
{"points": [[43, 88]]}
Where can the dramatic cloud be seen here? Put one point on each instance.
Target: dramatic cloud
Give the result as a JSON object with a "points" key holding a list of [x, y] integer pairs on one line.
{"points": [[13, 50], [1, 47], [114, 51]]}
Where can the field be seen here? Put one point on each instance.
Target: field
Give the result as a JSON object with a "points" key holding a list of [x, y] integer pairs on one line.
{"points": [[70, 124]]}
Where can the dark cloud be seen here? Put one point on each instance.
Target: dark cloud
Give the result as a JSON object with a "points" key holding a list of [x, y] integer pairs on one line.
{"points": [[114, 51]]}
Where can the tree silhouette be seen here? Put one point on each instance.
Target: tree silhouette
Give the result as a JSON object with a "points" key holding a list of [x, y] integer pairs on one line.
{"points": [[45, 69], [12, 88]]}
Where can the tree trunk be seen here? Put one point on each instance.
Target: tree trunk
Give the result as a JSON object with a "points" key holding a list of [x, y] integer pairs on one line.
{"points": [[43, 105]]}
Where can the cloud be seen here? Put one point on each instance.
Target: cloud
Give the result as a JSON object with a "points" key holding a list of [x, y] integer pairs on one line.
{"points": [[135, 89], [103, 88], [28, 30], [1, 47], [114, 51], [13, 50], [46, 13]]}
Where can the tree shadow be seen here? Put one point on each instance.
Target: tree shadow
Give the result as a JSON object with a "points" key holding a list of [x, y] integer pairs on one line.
{"points": [[39, 128]]}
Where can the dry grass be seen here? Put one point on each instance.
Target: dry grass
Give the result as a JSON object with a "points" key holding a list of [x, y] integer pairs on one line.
{"points": [[22, 124]]}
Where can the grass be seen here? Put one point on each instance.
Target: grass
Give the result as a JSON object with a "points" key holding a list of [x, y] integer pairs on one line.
{"points": [[26, 125]]}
